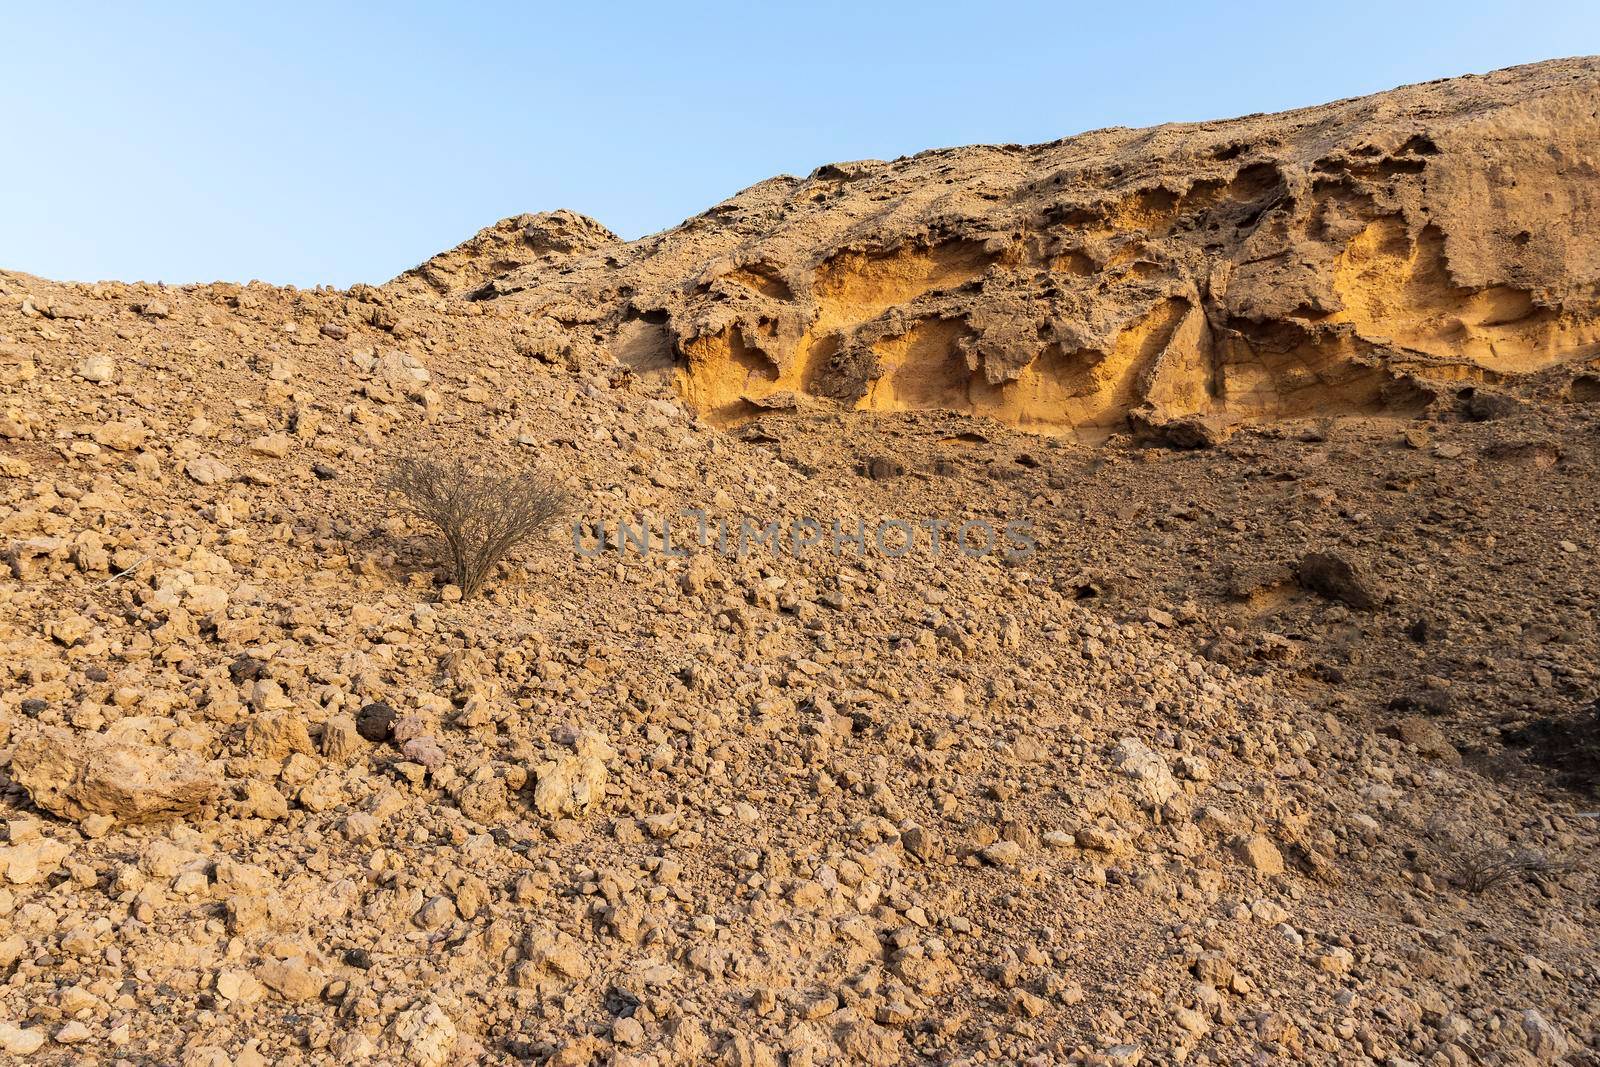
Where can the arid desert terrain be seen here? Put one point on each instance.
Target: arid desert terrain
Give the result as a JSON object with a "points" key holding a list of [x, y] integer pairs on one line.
{"points": [[1278, 742]]}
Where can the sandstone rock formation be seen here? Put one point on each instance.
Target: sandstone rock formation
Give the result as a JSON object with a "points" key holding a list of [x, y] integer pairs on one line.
{"points": [[1332, 259]]}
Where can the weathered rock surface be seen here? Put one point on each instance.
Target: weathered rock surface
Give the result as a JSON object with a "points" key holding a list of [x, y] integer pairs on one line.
{"points": [[1342, 258], [570, 784], [80, 775], [472, 268]]}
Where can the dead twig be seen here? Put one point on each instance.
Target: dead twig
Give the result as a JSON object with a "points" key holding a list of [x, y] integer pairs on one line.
{"points": [[129, 569]]}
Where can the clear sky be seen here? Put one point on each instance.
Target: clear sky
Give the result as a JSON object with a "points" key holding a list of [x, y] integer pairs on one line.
{"points": [[344, 142]]}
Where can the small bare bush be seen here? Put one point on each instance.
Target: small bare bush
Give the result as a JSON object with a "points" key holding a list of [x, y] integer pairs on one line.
{"points": [[481, 515], [1476, 862], [1479, 870]]}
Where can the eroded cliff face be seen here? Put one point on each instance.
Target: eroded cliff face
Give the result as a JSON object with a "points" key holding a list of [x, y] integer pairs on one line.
{"points": [[1344, 258]]}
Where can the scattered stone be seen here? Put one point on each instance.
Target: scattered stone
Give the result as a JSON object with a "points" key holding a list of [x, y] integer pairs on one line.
{"points": [[569, 785], [1138, 761], [120, 436], [207, 470], [1336, 960], [627, 1033], [483, 801], [427, 1034], [272, 445], [74, 1032], [293, 979], [1259, 854], [341, 741], [1336, 578], [98, 369], [1426, 737], [1001, 854], [1186, 432], [1546, 1041], [861, 807], [25, 862], [375, 722], [921, 842], [17, 1041]]}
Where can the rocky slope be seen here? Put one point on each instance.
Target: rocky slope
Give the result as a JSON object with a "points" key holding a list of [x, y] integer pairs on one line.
{"points": [[1334, 259], [1220, 774]]}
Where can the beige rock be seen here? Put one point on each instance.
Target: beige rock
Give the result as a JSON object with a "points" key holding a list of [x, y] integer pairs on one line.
{"points": [[74, 1032], [1336, 960], [206, 600], [1428, 738], [341, 743], [353, 1048], [240, 987], [1545, 1040], [272, 445], [266, 694], [627, 1032], [436, 913], [277, 735], [16, 1041], [71, 629], [471, 897], [17, 365], [483, 801], [427, 1034], [552, 951], [121, 436], [1099, 839], [569, 785], [1002, 854], [1259, 854], [1138, 761], [208, 470], [323, 793], [32, 861], [293, 979], [1027, 1004], [78, 775], [582, 1052], [921, 842], [98, 369], [260, 800]]}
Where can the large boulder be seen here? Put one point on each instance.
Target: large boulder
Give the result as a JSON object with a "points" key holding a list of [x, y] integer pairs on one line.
{"points": [[78, 775]]}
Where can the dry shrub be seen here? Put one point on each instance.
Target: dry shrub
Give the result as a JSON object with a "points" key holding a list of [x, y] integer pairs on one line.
{"points": [[1479, 870], [481, 515], [1476, 862]]}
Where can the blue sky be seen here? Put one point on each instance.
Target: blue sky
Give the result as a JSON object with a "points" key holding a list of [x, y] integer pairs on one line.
{"points": [[339, 143]]}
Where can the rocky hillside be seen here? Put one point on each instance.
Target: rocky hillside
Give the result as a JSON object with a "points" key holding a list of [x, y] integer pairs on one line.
{"points": [[1281, 749], [1336, 259]]}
